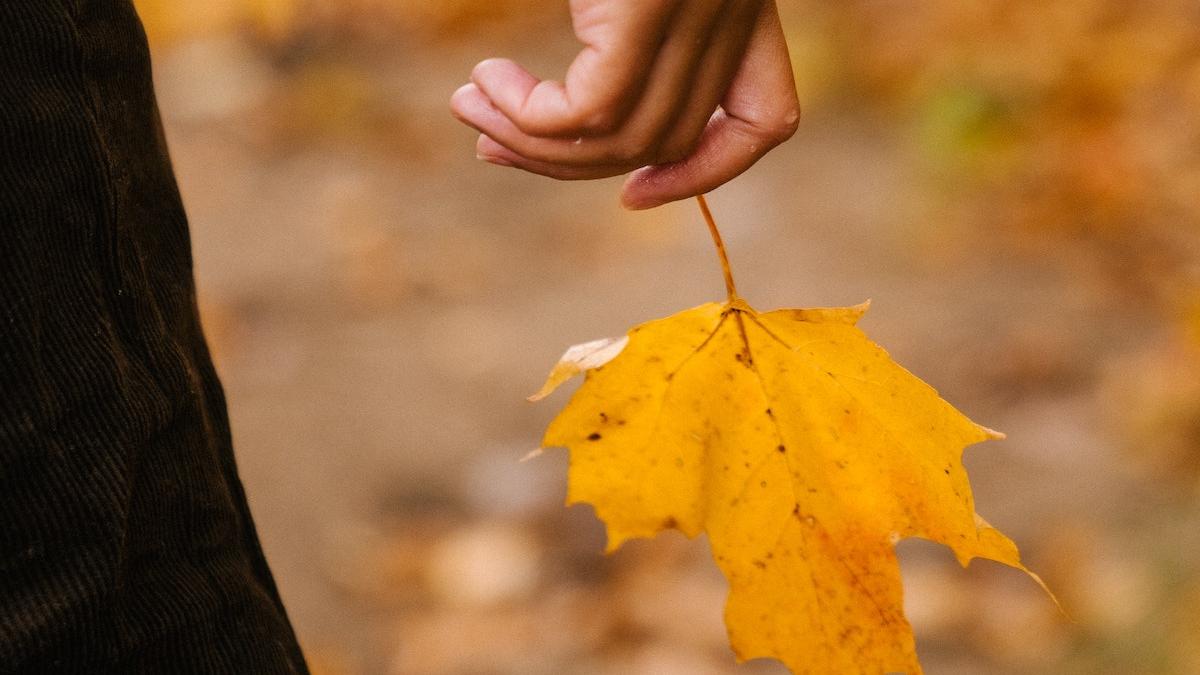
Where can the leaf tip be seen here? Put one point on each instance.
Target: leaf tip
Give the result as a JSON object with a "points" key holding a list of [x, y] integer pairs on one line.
{"points": [[532, 454], [992, 434], [1053, 598], [614, 542], [856, 312]]}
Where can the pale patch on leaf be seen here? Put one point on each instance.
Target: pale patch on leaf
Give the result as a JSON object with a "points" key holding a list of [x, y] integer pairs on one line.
{"points": [[579, 358]]}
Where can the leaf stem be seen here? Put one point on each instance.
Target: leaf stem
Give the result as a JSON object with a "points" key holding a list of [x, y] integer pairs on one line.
{"points": [[730, 288]]}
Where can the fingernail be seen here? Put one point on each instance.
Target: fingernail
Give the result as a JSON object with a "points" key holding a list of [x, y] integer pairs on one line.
{"points": [[498, 161]]}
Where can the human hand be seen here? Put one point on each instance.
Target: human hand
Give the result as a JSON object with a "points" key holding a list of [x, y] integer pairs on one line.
{"points": [[689, 93]]}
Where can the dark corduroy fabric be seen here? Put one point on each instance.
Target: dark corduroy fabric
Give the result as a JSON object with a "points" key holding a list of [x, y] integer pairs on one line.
{"points": [[125, 542]]}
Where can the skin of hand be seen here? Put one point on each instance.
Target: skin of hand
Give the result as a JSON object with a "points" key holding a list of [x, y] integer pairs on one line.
{"points": [[686, 94]]}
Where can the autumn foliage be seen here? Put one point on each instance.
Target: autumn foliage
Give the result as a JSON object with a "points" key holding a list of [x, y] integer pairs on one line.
{"points": [[800, 448]]}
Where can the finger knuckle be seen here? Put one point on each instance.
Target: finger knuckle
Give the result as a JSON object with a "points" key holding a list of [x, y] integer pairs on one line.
{"points": [[599, 121], [783, 125]]}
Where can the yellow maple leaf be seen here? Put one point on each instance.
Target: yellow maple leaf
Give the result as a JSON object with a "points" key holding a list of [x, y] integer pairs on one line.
{"points": [[800, 448]]}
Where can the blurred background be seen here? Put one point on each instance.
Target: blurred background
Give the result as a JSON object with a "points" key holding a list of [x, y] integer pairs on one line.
{"points": [[1015, 183]]}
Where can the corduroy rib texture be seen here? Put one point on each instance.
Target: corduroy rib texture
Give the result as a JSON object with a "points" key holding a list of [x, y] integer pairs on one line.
{"points": [[126, 545]]}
